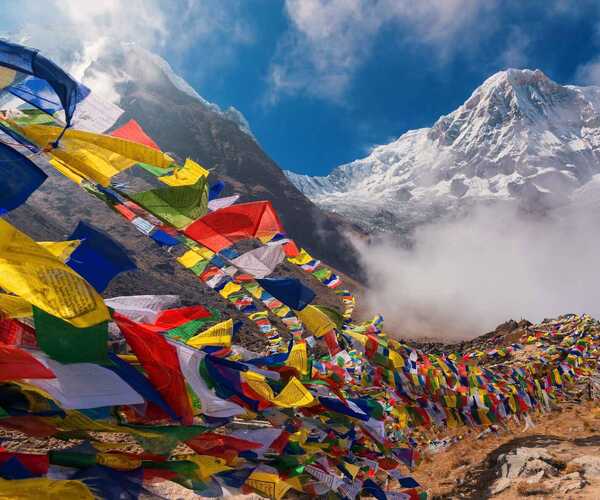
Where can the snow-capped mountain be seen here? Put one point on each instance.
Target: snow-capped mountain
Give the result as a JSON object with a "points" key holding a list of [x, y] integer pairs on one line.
{"points": [[520, 137], [109, 70]]}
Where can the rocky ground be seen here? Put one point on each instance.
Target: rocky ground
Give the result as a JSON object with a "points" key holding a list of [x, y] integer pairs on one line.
{"points": [[556, 456]]}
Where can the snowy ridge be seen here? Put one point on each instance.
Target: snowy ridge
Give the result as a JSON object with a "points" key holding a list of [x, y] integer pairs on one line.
{"points": [[519, 137], [127, 63], [231, 113]]}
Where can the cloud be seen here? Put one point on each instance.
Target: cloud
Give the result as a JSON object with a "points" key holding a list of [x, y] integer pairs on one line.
{"points": [[63, 26], [328, 40], [461, 278], [74, 32], [515, 53], [589, 73]]}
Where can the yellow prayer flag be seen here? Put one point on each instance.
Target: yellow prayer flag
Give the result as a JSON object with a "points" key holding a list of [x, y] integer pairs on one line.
{"points": [[229, 289], [298, 358], [219, 334], [268, 484], [207, 466], [60, 249], [352, 469], [92, 156], [64, 169], [483, 416], [190, 258], [258, 384], [12, 306], [77, 421], [396, 359], [50, 489], [7, 77], [451, 419], [293, 395], [316, 321], [302, 258], [118, 461], [187, 175], [33, 273], [205, 252]]}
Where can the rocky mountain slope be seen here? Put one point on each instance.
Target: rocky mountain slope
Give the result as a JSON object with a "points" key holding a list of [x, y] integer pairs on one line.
{"points": [[519, 138], [183, 123]]}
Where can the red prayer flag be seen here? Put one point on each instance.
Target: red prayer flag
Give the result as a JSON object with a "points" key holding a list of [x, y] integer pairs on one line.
{"points": [[16, 364], [221, 228], [13, 332], [172, 318], [36, 464], [132, 131], [159, 360], [290, 249]]}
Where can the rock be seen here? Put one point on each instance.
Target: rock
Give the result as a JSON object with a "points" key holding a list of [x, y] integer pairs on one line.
{"points": [[514, 464], [537, 467], [572, 486], [567, 483], [590, 465], [499, 486], [536, 478]]}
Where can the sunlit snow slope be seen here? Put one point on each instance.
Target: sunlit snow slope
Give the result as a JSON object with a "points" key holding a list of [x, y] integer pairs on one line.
{"points": [[520, 137]]}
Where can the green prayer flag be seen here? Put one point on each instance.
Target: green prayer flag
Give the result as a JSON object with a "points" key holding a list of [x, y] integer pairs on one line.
{"points": [[67, 344], [188, 330], [68, 458], [333, 314], [200, 267], [176, 205], [157, 171]]}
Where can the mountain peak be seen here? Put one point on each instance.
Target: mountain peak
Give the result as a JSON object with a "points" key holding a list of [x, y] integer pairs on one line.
{"points": [[508, 97], [517, 77], [519, 137], [110, 70]]}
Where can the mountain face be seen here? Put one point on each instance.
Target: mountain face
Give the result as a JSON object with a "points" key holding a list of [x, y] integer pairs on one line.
{"points": [[519, 138], [183, 123]]}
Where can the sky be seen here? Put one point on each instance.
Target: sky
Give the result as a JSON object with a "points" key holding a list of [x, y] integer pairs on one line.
{"points": [[322, 82]]}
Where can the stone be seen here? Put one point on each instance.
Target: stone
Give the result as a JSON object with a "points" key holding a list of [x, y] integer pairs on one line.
{"points": [[536, 478], [567, 483], [514, 464], [536, 466], [500, 485], [575, 484], [590, 465]]}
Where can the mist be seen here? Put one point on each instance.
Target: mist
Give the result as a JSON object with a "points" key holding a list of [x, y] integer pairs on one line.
{"points": [[461, 278]]}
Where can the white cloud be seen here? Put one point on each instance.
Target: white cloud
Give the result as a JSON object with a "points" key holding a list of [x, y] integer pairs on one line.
{"points": [[461, 278], [515, 53], [329, 39], [74, 32], [589, 73]]}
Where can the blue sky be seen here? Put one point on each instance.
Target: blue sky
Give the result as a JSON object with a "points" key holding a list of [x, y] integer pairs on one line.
{"points": [[323, 81]]}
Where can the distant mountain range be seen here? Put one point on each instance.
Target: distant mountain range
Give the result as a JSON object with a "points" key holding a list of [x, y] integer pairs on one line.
{"points": [[520, 138]]}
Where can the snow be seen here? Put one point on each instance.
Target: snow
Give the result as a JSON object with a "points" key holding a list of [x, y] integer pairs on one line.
{"points": [[106, 78], [518, 136]]}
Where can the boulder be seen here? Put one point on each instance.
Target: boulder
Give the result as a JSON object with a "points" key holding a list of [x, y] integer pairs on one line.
{"points": [[590, 465], [538, 468], [514, 464], [500, 485]]}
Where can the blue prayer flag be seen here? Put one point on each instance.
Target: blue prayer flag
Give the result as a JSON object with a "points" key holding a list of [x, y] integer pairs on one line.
{"points": [[98, 258], [20, 178], [289, 291]]}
